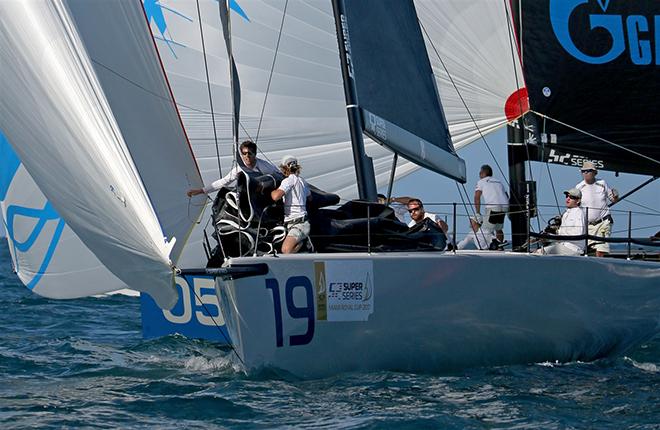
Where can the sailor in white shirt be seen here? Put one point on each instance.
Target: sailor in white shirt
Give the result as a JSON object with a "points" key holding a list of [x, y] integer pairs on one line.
{"points": [[595, 198], [295, 192], [573, 223], [477, 236], [418, 214], [248, 151], [496, 201]]}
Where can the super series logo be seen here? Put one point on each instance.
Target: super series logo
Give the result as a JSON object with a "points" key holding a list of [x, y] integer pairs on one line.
{"points": [[636, 35]]}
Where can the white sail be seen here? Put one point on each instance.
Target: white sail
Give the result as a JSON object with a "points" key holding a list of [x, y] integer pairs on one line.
{"points": [[56, 115], [47, 255], [472, 51], [303, 109]]}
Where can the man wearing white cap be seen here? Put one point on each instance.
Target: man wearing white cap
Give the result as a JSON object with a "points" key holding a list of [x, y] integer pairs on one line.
{"points": [[573, 223], [295, 192], [595, 197], [248, 150]]}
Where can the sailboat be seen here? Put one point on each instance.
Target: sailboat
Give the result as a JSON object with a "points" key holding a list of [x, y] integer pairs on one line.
{"points": [[321, 313], [301, 115]]}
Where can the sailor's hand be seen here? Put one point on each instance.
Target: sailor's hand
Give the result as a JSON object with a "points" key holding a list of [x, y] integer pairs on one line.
{"points": [[194, 192], [478, 218], [614, 194], [443, 226]]}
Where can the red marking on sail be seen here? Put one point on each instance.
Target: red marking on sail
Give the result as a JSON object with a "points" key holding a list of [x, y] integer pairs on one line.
{"points": [[517, 104]]}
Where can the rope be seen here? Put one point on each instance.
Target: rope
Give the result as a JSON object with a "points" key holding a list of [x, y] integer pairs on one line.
{"points": [[208, 87], [609, 142], [272, 69], [474, 121]]}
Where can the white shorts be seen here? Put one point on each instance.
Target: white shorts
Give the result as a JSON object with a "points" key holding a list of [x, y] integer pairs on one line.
{"points": [[561, 248], [487, 225], [602, 229], [299, 231]]}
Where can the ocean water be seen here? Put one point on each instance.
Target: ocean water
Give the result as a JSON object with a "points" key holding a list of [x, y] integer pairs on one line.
{"points": [[83, 363]]}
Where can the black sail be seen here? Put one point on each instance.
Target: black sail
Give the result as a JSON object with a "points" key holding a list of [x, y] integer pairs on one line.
{"points": [[395, 85], [592, 70]]}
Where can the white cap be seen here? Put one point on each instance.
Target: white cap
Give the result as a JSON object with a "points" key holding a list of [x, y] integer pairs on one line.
{"points": [[574, 192], [588, 165], [289, 160]]}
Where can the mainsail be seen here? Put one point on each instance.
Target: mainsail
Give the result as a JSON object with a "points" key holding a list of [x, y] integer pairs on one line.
{"points": [[56, 113], [592, 69], [394, 83]]}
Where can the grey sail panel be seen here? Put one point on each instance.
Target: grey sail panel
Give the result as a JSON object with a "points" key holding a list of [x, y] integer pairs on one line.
{"points": [[119, 43], [395, 82]]}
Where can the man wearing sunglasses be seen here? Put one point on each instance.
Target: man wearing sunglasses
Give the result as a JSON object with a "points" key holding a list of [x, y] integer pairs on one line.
{"points": [[248, 152], [595, 196], [417, 213], [573, 223]]}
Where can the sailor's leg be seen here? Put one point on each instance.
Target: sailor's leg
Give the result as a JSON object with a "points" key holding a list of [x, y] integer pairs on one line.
{"points": [[602, 229], [296, 237]]}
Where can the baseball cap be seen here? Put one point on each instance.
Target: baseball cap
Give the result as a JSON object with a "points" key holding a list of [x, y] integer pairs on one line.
{"points": [[574, 192], [289, 160], [587, 165]]}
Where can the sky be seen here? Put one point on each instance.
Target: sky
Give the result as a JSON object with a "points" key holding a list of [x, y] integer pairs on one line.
{"points": [[433, 188]]}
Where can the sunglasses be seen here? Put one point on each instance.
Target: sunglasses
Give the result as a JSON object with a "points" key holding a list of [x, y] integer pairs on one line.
{"points": [[588, 171], [411, 210], [247, 153], [572, 197]]}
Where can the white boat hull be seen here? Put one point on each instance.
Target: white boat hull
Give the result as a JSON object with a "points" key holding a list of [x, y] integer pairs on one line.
{"points": [[434, 312]]}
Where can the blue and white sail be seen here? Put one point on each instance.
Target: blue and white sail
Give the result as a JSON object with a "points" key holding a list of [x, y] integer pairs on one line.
{"points": [[81, 132], [47, 255]]}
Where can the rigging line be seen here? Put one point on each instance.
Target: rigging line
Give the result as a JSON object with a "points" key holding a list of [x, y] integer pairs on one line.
{"points": [[208, 87], [199, 299], [554, 191], [474, 121], [272, 69], [597, 137], [643, 206]]}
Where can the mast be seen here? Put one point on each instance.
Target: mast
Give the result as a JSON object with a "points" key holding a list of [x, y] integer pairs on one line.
{"points": [[364, 168], [517, 182]]}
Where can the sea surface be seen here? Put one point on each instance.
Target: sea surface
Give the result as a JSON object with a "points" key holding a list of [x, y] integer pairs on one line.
{"points": [[83, 364]]}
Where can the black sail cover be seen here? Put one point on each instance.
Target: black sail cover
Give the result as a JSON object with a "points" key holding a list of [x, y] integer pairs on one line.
{"points": [[395, 86], [593, 65]]}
